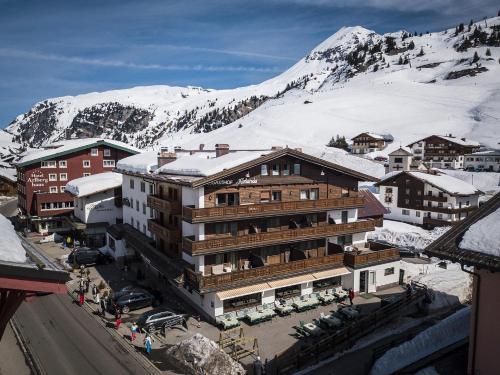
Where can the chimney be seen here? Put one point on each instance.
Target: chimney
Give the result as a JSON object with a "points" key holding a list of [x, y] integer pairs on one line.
{"points": [[67, 134], [202, 146], [165, 157], [221, 149]]}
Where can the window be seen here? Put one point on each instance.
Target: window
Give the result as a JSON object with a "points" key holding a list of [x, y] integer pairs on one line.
{"points": [[63, 177], [132, 183], [86, 164], [407, 191], [398, 160], [220, 199], [144, 208], [137, 205], [52, 177], [407, 201], [86, 174], [389, 271], [276, 169], [151, 189], [265, 196], [276, 195], [138, 225], [440, 204], [63, 164], [144, 228], [440, 216], [417, 213], [418, 202], [143, 186], [151, 212], [107, 152], [48, 164], [53, 189], [406, 212], [94, 152], [419, 192], [388, 190], [296, 169], [263, 170], [132, 221], [108, 163], [286, 169], [62, 189], [311, 194]]}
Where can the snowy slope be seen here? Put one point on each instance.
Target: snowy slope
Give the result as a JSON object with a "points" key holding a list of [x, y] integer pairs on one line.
{"points": [[343, 86]]}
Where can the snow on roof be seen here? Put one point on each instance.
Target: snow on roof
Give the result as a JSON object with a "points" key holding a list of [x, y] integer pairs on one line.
{"points": [[194, 165], [145, 162], [84, 186], [486, 153], [447, 183], [70, 145], [444, 333], [458, 141], [9, 173], [483, 236], [390, 175], [11, 249], [401, 151]]}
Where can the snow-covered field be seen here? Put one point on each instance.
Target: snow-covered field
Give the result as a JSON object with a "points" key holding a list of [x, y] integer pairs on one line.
{"points": [[406, 235]]}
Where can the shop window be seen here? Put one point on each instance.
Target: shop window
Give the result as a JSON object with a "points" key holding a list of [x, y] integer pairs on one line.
{"points": [[389, 271]]}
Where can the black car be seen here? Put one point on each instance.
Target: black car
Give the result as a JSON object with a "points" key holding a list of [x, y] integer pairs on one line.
{"points": [[134, 300], [157, 319], [87, 256]]}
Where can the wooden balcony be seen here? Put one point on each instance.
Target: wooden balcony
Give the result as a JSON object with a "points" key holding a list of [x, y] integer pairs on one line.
{"points": [[445, 210], [370, 257], [272, 238], [169, 234], [261, 274], [161, 204], [204, 215], [435, 198], [438, 223]]}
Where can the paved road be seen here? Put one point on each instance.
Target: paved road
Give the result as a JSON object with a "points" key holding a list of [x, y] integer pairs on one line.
{"points": [[65, 338]]}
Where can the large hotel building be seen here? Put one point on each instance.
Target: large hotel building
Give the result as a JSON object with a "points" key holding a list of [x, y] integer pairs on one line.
{"points": [[250, 227]]}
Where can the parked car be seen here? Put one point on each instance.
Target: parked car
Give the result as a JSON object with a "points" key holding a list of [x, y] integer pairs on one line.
{"points": [[87, 256], [380, 158], [159, 319], [134, 300]]}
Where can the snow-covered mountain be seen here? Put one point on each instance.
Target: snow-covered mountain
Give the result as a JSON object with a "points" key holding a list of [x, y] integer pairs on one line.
{"points": [[407, 85]]}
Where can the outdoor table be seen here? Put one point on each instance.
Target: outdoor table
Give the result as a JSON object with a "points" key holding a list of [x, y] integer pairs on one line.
{"points": [[331, 321], [312, 329], [350, 312], [254, 316]]}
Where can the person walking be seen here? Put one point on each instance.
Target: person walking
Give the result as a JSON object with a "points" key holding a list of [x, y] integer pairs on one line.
{"points": [[87, 284], [118, 317], [81, 294], [133, 331], [103, 306], [94, 291], [351, 295], [148, 342]]}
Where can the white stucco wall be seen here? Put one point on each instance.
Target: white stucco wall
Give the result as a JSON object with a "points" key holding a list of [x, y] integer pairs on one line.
{"points": [[352, 280], [136, 195], [98, 208]]}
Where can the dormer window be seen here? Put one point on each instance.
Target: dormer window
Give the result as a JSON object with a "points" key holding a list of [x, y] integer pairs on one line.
{"points": [[263, 170], [94, 152]]}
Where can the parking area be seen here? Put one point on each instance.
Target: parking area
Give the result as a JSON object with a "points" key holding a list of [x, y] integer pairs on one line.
{"points": [[273, 336]]}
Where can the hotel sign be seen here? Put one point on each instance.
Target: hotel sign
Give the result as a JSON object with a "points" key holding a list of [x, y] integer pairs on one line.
{"points": [[240, 181], [37, 179]]}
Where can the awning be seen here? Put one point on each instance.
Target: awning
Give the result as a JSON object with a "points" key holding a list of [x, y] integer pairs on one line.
{"points": [[291, 281], [331, 273], [243, 291]]}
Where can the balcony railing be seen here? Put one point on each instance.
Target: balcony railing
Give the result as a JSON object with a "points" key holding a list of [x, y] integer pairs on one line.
{"points": [[357, 260], [438, 222], [198, 215], [435, 198], [169, 234], [260, 274], [161, 204], [446, 210], [271, 238]]}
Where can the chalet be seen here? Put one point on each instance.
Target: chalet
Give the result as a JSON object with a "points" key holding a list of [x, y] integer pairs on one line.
{"points": [[8, 183], [42, 176], [400, 160], [427, 198], [443, 151], [487, 160], [369, 142], [248, 227], [97, 205], [475, 242]]}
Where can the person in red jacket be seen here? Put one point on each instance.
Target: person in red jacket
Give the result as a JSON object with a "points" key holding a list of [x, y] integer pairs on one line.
{"points": [[351, 295]]}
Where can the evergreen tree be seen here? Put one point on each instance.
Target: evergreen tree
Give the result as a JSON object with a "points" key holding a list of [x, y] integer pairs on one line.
{"points": [[390, 43], [411, 45], [475, 58], [338, 142], [400, 61], [488, 52], [421, 53], [461, 28]]}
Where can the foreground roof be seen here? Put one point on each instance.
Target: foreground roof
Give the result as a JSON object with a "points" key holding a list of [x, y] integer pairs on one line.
{"points": [[57, 149], [372, 207], [441, 181], [95, 183], [463, 243]]}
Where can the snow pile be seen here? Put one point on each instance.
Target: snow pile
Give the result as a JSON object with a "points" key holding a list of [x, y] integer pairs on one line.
{"points": [[145, 162], [83, 186], [484, 236], [200, 355], [445, 333], [406, 235], [11, 249], [451, 286]]}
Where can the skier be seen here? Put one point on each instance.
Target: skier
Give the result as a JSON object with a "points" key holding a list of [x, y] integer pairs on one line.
{"points": [[133, 329], [148, 342], [351, 295]]}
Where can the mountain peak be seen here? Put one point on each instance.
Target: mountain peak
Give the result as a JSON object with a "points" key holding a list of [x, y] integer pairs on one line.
{"points": [[346, 35]]}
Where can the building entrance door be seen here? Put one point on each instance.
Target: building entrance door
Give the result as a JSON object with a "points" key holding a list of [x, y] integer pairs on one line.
{"points": [[363, 281]]}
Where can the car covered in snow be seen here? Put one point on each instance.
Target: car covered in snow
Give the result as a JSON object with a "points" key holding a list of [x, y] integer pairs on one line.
{"points": [[160, 319]]}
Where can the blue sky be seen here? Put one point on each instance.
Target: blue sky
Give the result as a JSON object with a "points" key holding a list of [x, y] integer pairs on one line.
{"points": [[55, 48]]}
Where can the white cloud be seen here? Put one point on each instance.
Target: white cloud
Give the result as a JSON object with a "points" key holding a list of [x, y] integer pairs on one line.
{"points": [[24, 54]]}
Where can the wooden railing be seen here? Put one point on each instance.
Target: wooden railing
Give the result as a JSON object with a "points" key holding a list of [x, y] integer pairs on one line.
{"points": [[356, 260], [446, 210], [201, 282], [161, 204], [271, 238], [435, 198], [168, 234], [198, 215]]}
